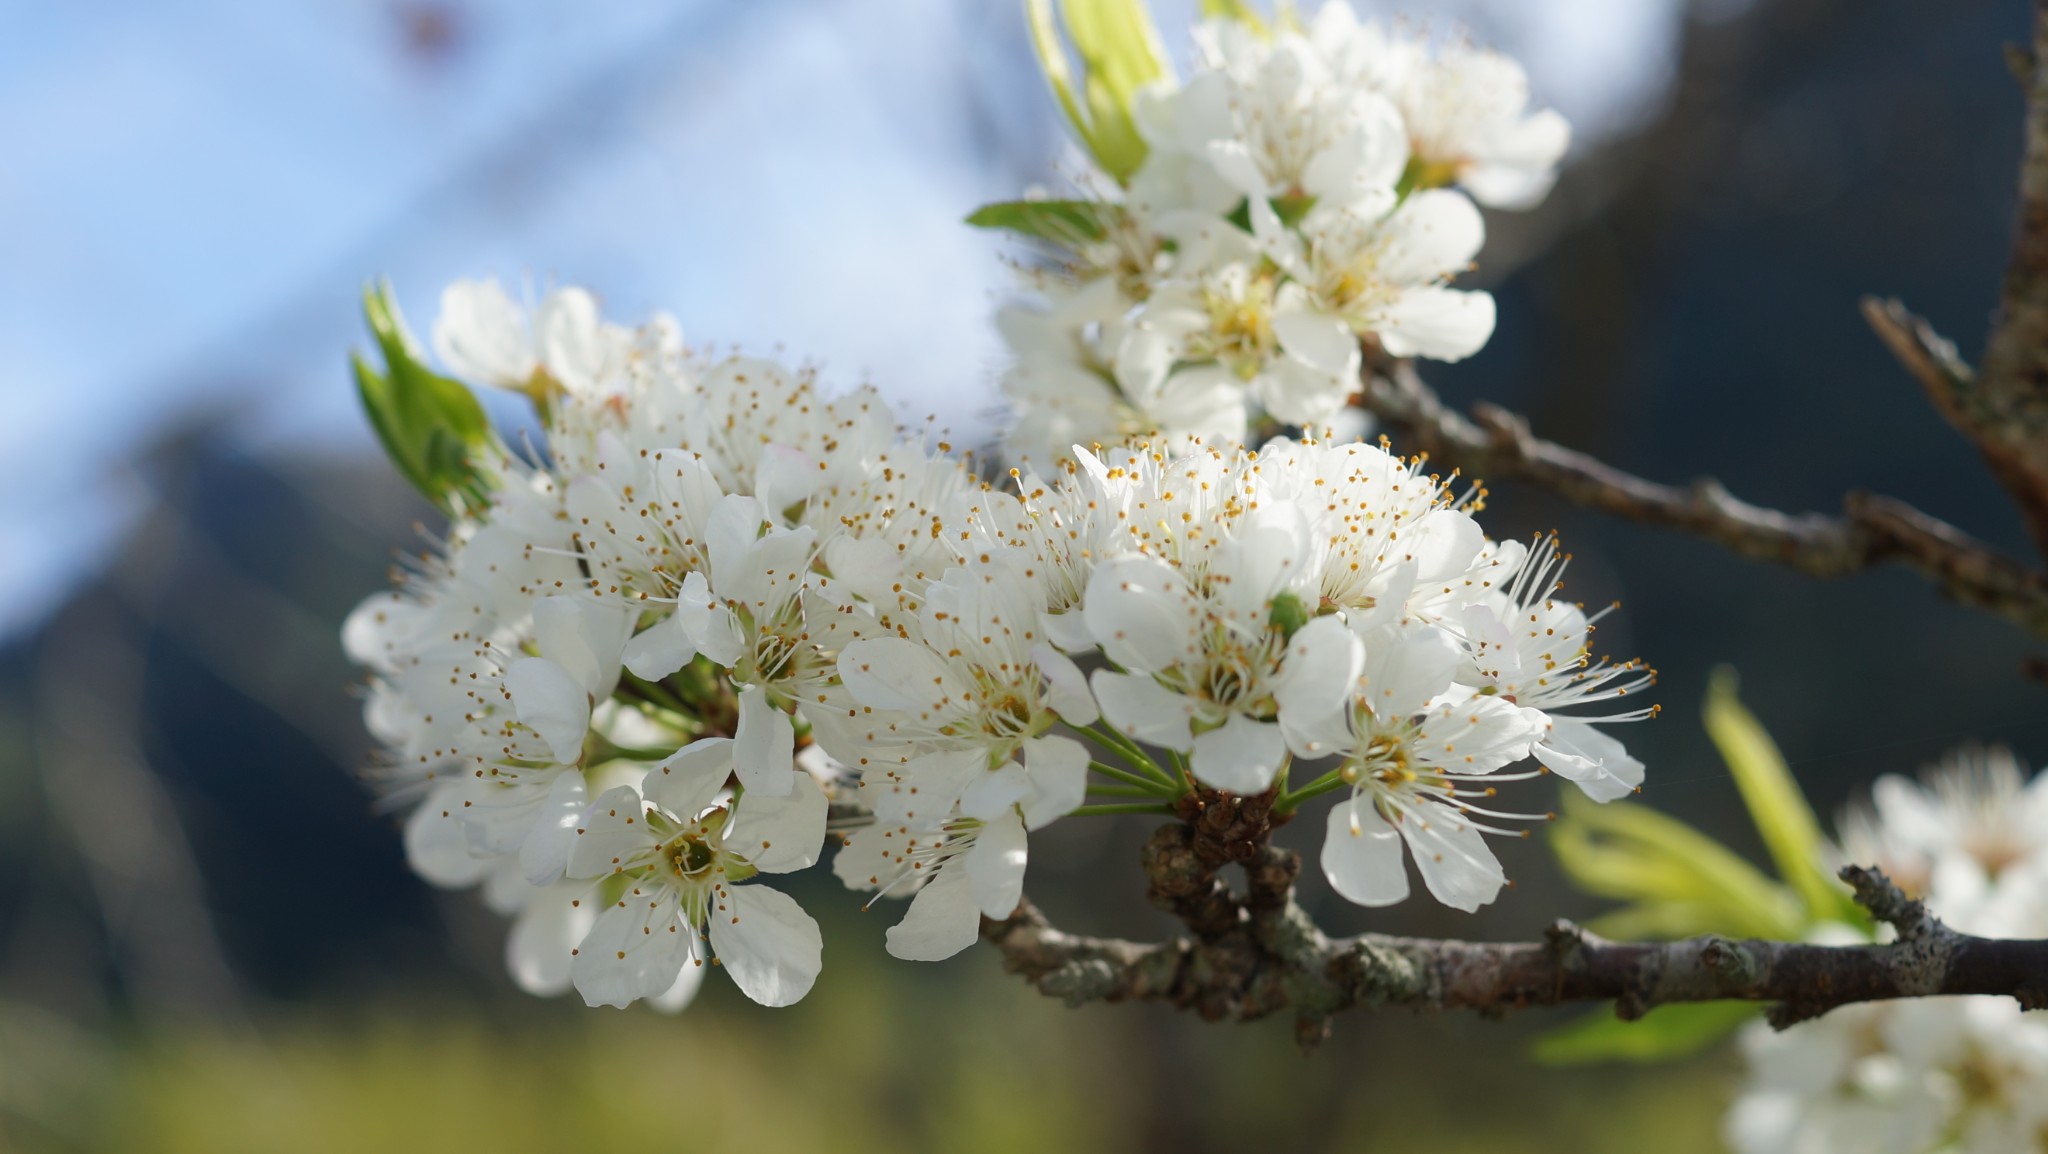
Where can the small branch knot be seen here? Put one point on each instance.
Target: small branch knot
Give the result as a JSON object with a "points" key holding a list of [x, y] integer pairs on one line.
{"points": [[1728, 960], [1086, 980], [1888, 903]]}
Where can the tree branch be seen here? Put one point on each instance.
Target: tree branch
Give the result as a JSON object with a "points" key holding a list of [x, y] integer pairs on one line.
{"points": [[1871, 531], [2004, 408], [1276, 960]]}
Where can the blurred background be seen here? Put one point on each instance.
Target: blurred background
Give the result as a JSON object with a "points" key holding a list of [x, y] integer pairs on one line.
{"points": [[208, 940]]}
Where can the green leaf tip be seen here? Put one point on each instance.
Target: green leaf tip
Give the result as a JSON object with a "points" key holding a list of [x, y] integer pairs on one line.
{"points": [[1068, 224], [432, 427], [1783, 818], [1120, 53]]}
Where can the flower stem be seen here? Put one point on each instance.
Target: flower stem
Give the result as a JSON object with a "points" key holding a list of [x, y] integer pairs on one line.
{"points": [[1151, 791], [1124, 807], [1140, 781], [1288, 802], [1129, 751], [657, 693]]}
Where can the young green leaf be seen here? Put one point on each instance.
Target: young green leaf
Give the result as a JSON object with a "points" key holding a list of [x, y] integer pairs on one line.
{"points": [[1664, 1033], [1790, 831], [1066, 223], [432, 427], [1120, 53], [1237, 10], [1683, 881]]}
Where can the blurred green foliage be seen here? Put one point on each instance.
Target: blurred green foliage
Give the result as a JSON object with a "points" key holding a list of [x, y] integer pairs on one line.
{"points": [[1680, 883], [868, 1063]]}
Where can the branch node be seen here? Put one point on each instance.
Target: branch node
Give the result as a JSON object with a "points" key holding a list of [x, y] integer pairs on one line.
{"points": [[1888, 903], [1083, 980], [1564, 939], [1730, 961]]}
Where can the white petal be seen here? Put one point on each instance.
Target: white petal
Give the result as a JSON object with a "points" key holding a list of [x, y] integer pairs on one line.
{"points": [[1434, 234], [1519, 167], [713, 628], [1362, 855], [634, 950], [1444, 545], [376, 628], [1069, 631], [1058, 769], [1142, 708], [572, 339], [767, 943], [583, 638], [544, 854], [995, 866], [614, 830], [926, 788], [481, 334], [437, 844], [785, 476], [780, 834], [1142, 614], [1241, 757], [1439, 323], [1066, 687], [1320, 673], [1293, 392], [1456, 863], [551, 703], [764, 745], [688, 982], [1268, 551], [866, 856], [992, 794], [1407, 669], [537, 950], [686, 782], [729, 537], [895, 673], [660, 649], [1584, 755], [1233, 161], [942, 920], [1327, 344]]}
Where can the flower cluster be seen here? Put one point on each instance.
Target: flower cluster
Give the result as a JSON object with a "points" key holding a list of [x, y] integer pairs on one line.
{"points": [[1310, 187], [717, 607], [1929, 1074], [715, 611]]}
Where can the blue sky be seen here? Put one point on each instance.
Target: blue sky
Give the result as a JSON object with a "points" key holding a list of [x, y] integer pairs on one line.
{"points": [[192, 194]]}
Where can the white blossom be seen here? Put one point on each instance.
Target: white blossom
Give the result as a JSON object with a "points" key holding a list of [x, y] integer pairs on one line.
{"points": [[1465, 108], [486, 336], [676, 857], [1943, 1075]]}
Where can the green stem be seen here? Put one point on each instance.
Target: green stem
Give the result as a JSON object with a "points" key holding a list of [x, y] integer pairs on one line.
{"points": [[657, 693], [1129, 751], [1289, 801], [1140, 781], [1151, 791], [1124, 807]]}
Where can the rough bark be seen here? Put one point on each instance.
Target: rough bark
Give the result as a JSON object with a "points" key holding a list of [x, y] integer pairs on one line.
{"points": [[2003, 408], [1871, 530], [1269, 959]]}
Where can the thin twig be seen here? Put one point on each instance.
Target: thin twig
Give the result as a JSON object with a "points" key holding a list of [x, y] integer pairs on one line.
{"points": [[2004, 407], [1872, 530], [1281, 963]]}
